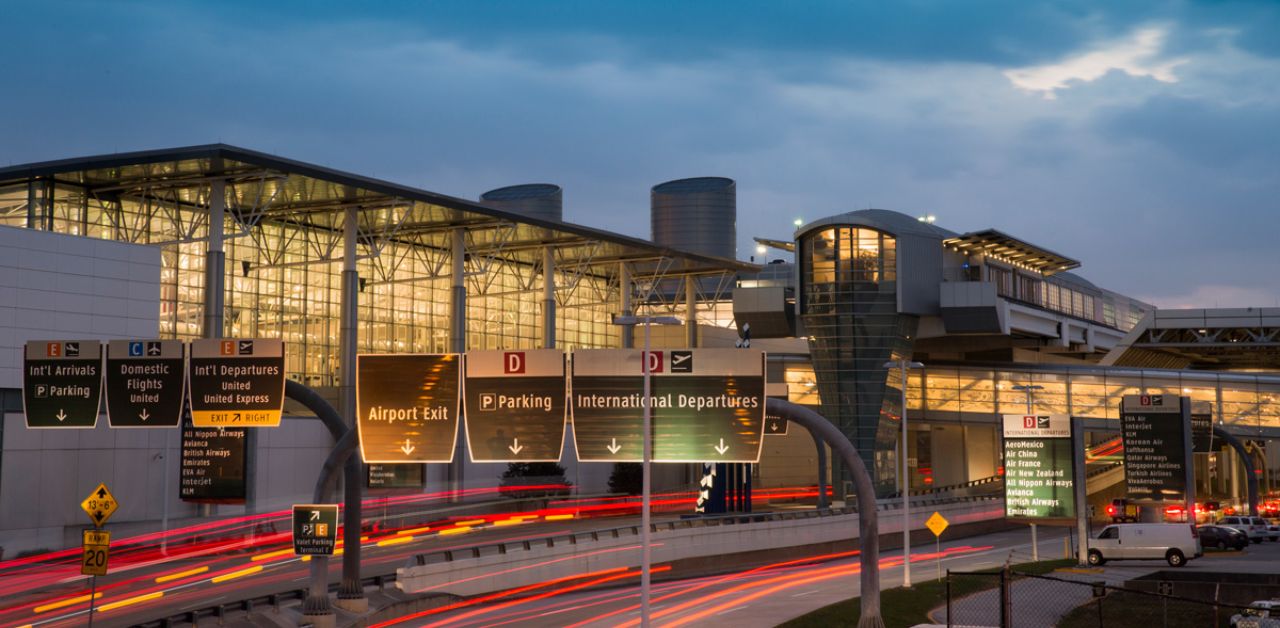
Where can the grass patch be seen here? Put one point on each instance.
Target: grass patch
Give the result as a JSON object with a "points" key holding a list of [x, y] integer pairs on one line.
{"points": [[903, 608], [1130, 609]]}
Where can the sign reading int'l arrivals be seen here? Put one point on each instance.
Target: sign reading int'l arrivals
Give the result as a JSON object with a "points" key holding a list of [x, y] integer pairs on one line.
{"points": [[407, 406], [1039, 472], [515, 405], [62, 383], [1156, 431], [146, 382], [708, 404], [237, 382]]}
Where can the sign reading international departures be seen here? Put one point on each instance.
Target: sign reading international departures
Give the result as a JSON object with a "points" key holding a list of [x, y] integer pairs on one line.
{"points": [[146, 382], [61, 383], [237, 382], [707, 405], [1156, 431], [407, 406], [515, 405], [1039, 470]]}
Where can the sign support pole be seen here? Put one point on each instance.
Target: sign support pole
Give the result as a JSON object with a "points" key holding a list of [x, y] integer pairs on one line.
{"points": [[646, 485], [93, 594], [1082, 504]]}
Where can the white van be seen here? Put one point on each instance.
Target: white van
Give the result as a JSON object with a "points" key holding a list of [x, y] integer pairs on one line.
{"points": [[1174, 542]]}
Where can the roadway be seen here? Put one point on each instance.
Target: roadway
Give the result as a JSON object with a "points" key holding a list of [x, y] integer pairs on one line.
{"points": [[242, 557]]}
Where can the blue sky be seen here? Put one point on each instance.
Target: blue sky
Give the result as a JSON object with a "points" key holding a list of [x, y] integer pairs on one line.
{"points": [[1140, 138]]}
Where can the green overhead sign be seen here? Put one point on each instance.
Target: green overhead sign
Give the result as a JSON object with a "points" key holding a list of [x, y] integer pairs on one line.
{"points": [[1039, 473]]}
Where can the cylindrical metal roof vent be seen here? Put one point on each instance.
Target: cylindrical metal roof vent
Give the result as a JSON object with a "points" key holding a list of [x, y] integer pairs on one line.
{"points": [[697, 215], [536, 200]]}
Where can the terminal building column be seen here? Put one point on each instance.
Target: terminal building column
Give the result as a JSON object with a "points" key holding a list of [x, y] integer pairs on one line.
{"points": [[215, 263], [350, 592], [548, 298], [458, 342], [691, 311], [624, 290]]}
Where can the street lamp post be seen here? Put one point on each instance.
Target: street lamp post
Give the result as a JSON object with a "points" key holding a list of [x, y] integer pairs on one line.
{"points": [[1030, 390], [646, 454], [902, 365]]}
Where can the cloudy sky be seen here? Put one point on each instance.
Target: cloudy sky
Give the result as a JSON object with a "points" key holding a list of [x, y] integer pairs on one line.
{"points": [[1140, 138]]}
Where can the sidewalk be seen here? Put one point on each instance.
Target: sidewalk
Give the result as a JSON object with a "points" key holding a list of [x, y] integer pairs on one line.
{"points": [[1035, 602]]}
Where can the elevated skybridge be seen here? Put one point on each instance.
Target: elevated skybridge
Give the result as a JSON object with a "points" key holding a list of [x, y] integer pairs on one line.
{"points": [[1222, 339]]}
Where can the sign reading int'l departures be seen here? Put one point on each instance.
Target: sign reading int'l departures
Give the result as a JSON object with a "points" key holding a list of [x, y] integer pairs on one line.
{"points": [[1156, 431], [407, 405], [237, 382], [315, 529], [146, 382], [1039, 471], [708, 405], [515, 405], [62, 383], [213, 465]]}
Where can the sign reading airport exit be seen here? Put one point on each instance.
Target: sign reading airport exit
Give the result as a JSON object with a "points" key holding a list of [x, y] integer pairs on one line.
{"points": [[146, 382], [61, 383], [407, 406], [236, 382], [515, 405], [707, 404]]}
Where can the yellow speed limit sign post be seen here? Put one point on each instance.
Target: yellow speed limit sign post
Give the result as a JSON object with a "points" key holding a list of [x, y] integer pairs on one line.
{"points": [[937, 524], [96, 546]]}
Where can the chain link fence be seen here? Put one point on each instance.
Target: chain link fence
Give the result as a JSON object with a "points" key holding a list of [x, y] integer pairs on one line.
{"points": [[1012, 599]]}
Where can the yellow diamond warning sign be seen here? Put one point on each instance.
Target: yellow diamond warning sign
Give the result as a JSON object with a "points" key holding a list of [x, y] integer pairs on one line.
{"points": [[99, 505], [937, 523]]}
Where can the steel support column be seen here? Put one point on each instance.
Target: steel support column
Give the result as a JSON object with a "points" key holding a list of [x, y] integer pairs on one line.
{"points": [[691, 311], [350, 593], [624, 290], [548, 298], [457, 338], [215, 275]]}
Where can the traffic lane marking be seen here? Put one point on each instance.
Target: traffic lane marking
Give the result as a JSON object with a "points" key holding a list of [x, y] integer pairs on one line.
{"points": [[65, 603], [137, 599], [182, 574]]}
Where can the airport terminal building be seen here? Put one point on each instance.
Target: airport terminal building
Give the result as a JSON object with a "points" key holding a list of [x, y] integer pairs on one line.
{"points": [[219, 241]]}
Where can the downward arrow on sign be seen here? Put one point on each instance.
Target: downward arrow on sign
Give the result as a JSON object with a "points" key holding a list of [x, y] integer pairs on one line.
{"points": [[615, 447], [143, 415], [62, 416], [407, 447], [722, 448], [515, 446]]}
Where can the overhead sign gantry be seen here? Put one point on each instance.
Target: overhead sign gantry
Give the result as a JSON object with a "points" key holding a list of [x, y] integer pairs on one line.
{"points": [[707, 404]]}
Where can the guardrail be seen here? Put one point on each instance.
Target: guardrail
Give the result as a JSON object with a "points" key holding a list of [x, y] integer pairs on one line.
{"points": [[274, 601]]}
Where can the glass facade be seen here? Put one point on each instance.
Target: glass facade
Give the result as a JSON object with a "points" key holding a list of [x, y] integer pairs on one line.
{"points": [[848, 302]]}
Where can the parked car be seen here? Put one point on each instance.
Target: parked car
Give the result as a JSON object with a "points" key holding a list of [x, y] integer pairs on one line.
{"points": [[1260, 614], [1222, 537], [1173, 542], [1121, 511], [1267, 528], [1256, 532]]}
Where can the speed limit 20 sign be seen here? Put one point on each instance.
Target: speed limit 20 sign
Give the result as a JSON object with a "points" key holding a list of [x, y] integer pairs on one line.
{"points": [[96, 547]]}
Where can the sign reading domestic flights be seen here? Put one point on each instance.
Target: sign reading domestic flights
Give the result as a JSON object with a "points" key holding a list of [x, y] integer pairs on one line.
{"points": [[407, 405], [411, 475], [1156, 431], [1201, 427], [62, 383], [515, 405], [315, 529], [1039, 471], [213, 465], [95, 549], [236, 382], [707, 404], [146, 382], [99, 505]]}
